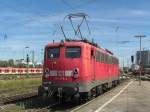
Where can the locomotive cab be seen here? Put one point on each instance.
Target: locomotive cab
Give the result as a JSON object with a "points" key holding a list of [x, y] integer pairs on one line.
{"points": [[62, 68]]}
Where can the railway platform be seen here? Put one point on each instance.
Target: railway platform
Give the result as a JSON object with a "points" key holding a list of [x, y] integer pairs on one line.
{"points": [[129, 97]]}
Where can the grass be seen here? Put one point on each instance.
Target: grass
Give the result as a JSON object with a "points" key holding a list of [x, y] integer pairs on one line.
{"points": [[12, 108], [19, 83], [18, 86], [15, 76]]}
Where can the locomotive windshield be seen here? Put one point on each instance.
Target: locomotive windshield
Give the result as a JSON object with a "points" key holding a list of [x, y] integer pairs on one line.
{"points": [[53, 52], [72, 52]]}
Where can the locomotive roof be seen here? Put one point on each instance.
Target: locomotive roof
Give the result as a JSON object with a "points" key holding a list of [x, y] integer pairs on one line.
{"points": [[80, 42]]}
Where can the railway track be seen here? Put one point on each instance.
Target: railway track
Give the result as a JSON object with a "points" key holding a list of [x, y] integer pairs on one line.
{"points": [[15, 98], [45, 106], [5, 90]]}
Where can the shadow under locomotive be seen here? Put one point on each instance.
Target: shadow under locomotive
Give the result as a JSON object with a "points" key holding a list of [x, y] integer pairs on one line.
{"points": [[48, 104]]}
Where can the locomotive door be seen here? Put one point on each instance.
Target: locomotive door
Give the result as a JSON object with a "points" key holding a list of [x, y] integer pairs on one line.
{"points": [[93, 64]]}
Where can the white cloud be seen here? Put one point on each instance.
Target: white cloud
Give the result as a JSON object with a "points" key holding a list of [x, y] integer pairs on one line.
{"points": [[139, 13]]}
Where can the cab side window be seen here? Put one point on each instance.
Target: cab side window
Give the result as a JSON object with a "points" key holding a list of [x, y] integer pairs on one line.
{"points": [[92, 53]]}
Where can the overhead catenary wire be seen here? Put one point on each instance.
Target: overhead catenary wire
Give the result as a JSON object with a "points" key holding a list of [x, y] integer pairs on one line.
{"points": [[86, 3], [68, 5]]}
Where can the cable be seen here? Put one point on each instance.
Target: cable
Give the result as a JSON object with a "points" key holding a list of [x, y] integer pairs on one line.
{"points": [[88, 2], [67, 4]]}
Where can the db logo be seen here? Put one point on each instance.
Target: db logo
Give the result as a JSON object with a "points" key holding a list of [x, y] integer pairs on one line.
{"points": [[60, 73]]}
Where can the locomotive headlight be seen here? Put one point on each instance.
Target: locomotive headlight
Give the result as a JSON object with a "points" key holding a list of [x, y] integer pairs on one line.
{"points": [[49, 82], [75, 73], [46, 72], [76, 89], [46, 88]]}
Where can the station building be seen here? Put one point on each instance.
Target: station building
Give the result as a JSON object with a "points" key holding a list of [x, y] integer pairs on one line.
{"points": [[145, 58]]}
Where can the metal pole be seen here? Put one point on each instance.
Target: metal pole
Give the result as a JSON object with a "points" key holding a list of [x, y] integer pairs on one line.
{"points": [[27, 61], [140, 60], [42, 56], [33, 57], [23, 53], [27, 65], [140, 64]]}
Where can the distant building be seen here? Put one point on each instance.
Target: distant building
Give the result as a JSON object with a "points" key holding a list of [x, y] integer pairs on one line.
{"points": [[21, 61], [145, 58]]}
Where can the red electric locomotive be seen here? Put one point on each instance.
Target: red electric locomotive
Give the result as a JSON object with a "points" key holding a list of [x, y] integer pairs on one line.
{"points": [[78, 68]]}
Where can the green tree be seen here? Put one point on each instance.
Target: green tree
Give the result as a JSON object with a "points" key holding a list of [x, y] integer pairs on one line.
{"points": [[11, 63]]}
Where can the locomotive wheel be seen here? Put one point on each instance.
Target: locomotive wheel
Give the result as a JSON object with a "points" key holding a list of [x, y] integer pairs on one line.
{"points": [[118, 81], [105, 87], [40, 91], [85, 96], [75, 98], [99, 90], [94, 92], [89, 95], [115, 83]]}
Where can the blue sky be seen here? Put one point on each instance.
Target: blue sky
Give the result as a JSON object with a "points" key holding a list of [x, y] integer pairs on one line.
{"points": [[33, 23]]}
